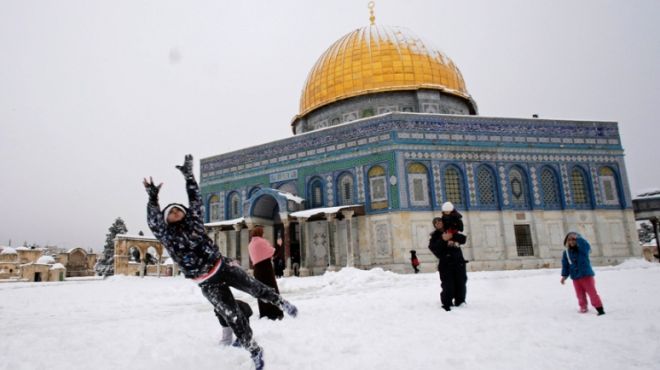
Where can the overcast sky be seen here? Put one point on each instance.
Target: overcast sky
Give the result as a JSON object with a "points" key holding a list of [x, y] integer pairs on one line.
{"points": [[95, 95]]}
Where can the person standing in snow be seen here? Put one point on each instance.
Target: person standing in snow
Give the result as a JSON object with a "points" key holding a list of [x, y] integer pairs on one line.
{"points": [[181, 231], [451, 264], [261, 252], [414, 261], [576, 264]]}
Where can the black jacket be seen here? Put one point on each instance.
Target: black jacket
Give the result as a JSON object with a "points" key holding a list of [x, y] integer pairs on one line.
{"points": [[186, 241], [447, 255]]}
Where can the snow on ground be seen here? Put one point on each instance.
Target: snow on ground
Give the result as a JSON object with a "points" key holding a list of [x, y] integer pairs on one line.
{"points": [[350, 319]]}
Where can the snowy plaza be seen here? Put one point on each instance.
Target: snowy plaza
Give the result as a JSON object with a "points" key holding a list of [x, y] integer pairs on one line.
{"points": [[351, 319]]}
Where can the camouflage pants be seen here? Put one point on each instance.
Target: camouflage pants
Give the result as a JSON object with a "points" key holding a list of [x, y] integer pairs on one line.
{"points": [[216, 290]]}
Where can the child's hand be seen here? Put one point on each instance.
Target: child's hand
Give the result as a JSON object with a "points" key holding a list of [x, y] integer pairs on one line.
{"points": [[563, 279], [151, 188], [187, 167]]}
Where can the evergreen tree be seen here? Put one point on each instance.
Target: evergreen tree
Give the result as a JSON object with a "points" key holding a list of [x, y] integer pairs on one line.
{"points": [[645, 232], [106, 264]]}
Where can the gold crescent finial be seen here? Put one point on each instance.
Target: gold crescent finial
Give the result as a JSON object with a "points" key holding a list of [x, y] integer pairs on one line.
{"points": [[372, 17]]}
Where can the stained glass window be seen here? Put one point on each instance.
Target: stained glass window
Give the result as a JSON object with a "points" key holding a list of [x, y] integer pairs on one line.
{"points": [[579, 185], [346, 189], [234, 205], [316, 193], [550, 188], [453, 185], [486, 187], [214, 208]]}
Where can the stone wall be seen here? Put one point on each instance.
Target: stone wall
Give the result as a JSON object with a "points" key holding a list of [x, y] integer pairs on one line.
{"points": [[385, 240]]}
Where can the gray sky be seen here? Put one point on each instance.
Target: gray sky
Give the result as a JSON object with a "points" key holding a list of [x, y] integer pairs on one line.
{"points": [[95, 95]]}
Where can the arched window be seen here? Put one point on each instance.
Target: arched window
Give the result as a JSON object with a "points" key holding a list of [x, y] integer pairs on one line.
{"points": [[486, 188], [418, 184], [550, 188], [453, 182], [519, 188], [579, 185], [345, 188], [377, 187], [214, 208], [234, 206], [608, 186], [316, 193], [253, 190]]}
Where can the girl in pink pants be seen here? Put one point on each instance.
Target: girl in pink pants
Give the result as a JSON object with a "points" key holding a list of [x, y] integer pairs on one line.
{"points": [[576, 264]]}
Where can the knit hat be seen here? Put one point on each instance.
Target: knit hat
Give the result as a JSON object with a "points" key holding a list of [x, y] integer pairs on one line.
{"points": [[169, 207], [447, 207]]}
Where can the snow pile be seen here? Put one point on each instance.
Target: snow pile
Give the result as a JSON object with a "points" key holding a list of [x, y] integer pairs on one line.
{"points": [[57, 266], [351, 319]]}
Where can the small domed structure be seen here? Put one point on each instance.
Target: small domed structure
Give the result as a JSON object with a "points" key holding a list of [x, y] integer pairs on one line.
{"points": [[45, 260]]}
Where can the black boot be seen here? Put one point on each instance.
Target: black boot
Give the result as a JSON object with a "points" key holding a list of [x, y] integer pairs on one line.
{"points": [[600, 310], [446, 308]]}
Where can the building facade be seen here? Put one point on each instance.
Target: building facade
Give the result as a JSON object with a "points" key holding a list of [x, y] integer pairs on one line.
{"points": [[386, 133]]}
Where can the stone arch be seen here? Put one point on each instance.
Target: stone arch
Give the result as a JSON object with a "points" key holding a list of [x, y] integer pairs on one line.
{"points": [[127, 247]]}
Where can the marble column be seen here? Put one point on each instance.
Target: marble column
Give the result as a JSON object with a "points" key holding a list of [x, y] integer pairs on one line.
{"points": [[237, 242], [348, 214], [287, 246], [304, 271], [331, 220]]}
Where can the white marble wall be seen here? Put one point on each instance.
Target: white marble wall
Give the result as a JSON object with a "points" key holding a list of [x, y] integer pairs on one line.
{"points": [[386, 240]]}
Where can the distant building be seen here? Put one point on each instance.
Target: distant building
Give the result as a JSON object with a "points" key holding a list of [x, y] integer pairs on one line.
{"points": [[31, 264], [78, 262]]}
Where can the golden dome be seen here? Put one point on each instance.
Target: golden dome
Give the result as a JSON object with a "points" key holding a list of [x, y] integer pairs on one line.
{"points": [[379, 58]]}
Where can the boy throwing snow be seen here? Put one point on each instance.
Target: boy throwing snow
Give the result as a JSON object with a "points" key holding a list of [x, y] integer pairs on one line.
{"points": [[181, 231]]}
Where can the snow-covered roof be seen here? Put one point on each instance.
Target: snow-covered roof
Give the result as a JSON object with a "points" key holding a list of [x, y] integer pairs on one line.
{"points": [[316, 211], [74, 248], [22, 249], [168, 262], [8, 250], [226, 222], [649, 193], [131, 236], [58, 266], [45, 260], [290, 196]]}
